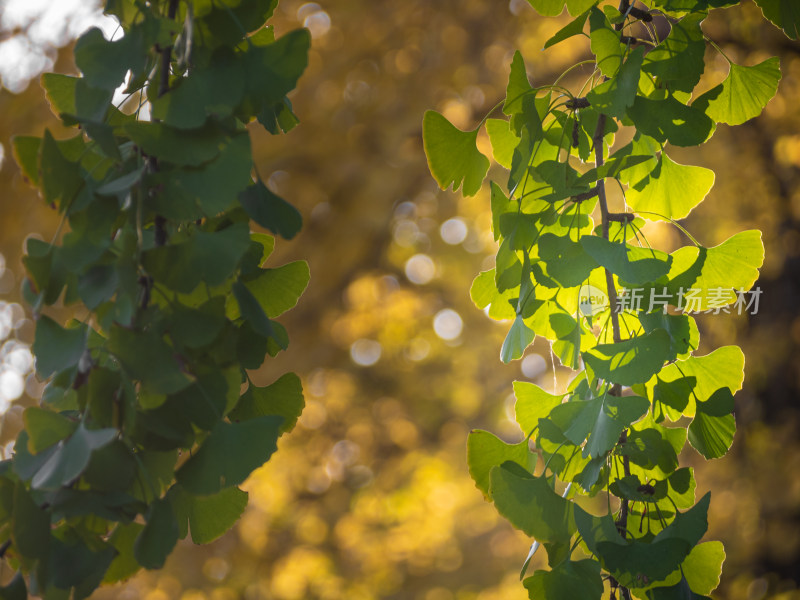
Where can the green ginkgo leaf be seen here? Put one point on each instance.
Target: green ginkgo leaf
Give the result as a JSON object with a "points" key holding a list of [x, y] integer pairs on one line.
{"points": [[519, 337], [453, 155], [670, 120], [531, 505], [679, 59], [632, 361], [617, 94], [743, 94], [485, 451], [699, 377], [784, 13], [605, 43], [568, 580], [518, 85], [670, 191], [572, 29], [631, 264], [712, 277], [504, 141], [533, 403]]}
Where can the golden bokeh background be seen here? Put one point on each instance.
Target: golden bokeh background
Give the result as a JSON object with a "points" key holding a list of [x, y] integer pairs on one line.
{"points": [[369, 498]]}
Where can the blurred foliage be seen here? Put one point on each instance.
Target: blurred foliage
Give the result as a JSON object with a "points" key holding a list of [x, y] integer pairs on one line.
{"points": [[370, 496]]}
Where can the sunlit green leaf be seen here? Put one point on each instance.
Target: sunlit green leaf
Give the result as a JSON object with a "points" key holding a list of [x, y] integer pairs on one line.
{"points": [[485, 451], [716, 274], [453, 155], [614, 96], [519, 337], [670, 191], [532, 404], [743, 94]]}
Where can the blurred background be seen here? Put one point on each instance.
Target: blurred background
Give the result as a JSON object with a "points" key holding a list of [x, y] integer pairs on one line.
{"points": [[369, 498]]}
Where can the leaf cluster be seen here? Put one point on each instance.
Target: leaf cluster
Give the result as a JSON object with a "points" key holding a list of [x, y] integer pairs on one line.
{"points": [[640, 390], [149, 421]]}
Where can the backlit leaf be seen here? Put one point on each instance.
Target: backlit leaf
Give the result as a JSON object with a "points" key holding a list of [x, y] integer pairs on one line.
{"points": [[453, 155], [485, 451], [632, 361], [743, 94], [670, 191]]}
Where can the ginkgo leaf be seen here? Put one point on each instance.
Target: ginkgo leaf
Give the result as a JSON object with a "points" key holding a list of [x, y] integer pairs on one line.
{"points": [[533, 403], [531, 505], [631, 361], [670, 191], [519, 337], [631, 264], [485, 451], [504, 141], [518, 85], [713, 276], [572, 29], [743, 94], [578, 580], [453, 155], [615, 95], [783, 13], [605, 43]]}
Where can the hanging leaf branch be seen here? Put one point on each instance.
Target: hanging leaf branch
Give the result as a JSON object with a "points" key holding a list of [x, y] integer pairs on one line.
{"points": [[149, 421], [615, 310]]}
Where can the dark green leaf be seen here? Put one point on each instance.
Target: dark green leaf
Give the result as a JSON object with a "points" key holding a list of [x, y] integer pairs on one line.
{"points": [[230, 453], [191, 147], [567, 581], [632, 264], [531, 505], [784, 13], [158, 537], [631, 361], [283, 398], [147, 357], [30, 527], [57, 348], [271, 211], [669, 120], [211, 516], [71, 457], [614, 96]]}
